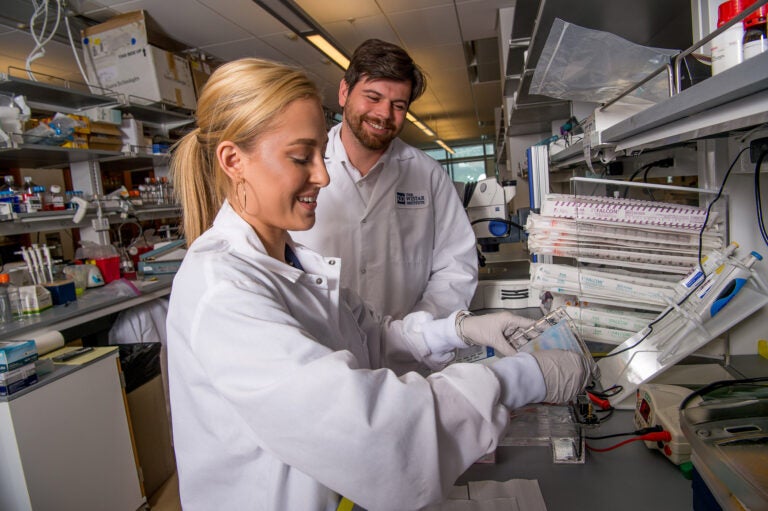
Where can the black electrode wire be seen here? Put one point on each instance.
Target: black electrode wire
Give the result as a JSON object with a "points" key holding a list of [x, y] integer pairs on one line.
{"points": [[718, 385], [637, 432], [709, 208], [701, 266], [508, 222], [758, 200]]}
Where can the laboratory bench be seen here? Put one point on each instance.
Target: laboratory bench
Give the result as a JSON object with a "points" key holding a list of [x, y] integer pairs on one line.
{"points": [[631, 477], [67, 442]]}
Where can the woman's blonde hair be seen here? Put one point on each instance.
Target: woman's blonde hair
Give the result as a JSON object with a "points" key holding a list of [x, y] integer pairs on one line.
{"points": [[240, 101]]}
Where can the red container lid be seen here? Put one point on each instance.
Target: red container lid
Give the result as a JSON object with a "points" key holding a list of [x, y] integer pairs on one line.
{"points": [[756, 18], [727, 10]]}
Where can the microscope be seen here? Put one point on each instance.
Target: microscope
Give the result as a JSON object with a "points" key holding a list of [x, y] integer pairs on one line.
{"points": [[503, 283], [486, 204]]}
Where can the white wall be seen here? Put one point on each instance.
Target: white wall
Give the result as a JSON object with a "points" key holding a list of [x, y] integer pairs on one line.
{"points": [[744, 230]]}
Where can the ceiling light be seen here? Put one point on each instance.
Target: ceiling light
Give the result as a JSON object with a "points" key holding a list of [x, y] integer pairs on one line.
{"points": [[329, 50], [445, 146], [295, 19]]}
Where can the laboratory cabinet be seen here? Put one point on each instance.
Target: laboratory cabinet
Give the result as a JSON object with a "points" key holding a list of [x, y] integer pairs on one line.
{"points": [[66, 442]]}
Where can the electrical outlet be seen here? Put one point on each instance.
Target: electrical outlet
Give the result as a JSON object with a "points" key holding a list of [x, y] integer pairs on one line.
{"points": [[100, 224], [756, 147]]}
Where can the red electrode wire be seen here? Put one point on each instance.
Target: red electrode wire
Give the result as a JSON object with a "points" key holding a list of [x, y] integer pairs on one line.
{"points": [[604, 404], [659, 436]]}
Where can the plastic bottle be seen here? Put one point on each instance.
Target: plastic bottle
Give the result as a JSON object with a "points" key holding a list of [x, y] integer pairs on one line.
{"points": [[54, 199], [15, 298], [727, 47], [6, 312], [14, 193], [755, 38], [32, 197]]}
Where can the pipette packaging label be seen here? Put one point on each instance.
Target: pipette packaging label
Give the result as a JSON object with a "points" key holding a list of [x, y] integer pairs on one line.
{"points": [[34, 299], [17, 379]]}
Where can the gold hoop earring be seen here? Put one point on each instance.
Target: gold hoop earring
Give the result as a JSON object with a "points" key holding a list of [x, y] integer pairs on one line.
{"points": [[244, 203]]}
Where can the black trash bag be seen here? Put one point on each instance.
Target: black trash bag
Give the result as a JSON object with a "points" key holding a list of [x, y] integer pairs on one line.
{"points": [[140, 363]]}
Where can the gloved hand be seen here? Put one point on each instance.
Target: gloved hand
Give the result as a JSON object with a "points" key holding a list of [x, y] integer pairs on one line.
{"points": [[490, 329], [566, 373]]}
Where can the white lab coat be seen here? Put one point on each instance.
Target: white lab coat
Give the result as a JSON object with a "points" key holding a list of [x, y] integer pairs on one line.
{"points": [[279, 398], [412, 248]]}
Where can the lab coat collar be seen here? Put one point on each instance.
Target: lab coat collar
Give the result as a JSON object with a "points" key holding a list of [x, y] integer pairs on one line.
{"points": [[243, 239]]}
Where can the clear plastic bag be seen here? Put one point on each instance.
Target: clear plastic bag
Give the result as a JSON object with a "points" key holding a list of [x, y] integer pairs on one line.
{"points": [[556, 330], [581, 64]]}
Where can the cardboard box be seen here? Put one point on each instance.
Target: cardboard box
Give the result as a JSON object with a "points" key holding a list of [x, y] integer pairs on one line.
{"points": [[17, 379], [152, 433], [14, 354], [125, 54], [201, 71]]}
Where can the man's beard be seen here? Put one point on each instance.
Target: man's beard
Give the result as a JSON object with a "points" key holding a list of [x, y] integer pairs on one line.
{"points": [[368, 140]]}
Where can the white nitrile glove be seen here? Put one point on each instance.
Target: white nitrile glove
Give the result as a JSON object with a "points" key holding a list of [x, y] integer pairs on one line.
{"points": [[490, 329], [566, 373]]}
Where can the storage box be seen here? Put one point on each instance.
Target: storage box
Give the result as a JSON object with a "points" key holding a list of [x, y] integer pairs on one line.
{"points": [[201, 71], [125, 54], [105, 136], [132, 136], [14, 354], [152, 433], [17, 379]]}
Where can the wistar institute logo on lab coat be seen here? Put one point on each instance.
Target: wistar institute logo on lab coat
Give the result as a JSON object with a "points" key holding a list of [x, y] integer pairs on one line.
{"points": [[410, 199]]}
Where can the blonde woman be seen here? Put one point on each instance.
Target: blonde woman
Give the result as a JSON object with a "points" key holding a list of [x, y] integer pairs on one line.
{"points": [[285, 389]]}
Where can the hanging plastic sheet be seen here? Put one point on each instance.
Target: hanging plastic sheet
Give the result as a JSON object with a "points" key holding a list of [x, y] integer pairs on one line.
{"points": [[581, 64]]}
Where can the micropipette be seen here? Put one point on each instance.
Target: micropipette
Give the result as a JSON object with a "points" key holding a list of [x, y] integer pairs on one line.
{"points": [[25, 254], [48, 261]]}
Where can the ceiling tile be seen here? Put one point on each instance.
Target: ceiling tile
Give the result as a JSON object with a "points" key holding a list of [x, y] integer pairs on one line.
{"points": [[324, 11], [427, 27], [350, 35]]}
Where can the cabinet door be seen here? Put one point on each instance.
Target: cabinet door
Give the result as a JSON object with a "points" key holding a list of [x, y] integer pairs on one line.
{"points": [[75, 444]]}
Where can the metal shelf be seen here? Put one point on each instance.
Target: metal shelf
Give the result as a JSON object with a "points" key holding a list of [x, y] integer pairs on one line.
{"points": [[157, 114], [26, 223], [41, 156], [64, 98], [743, 84], [91, 305]]}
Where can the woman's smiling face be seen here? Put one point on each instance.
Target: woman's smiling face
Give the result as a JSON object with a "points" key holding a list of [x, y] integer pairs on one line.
{"points": [[282, 173]]}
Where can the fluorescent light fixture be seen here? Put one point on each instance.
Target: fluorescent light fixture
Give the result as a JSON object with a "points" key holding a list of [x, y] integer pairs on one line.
{"points": [[329, 50], [416, 122], [424, 128], [445, 146], [300, 23]]}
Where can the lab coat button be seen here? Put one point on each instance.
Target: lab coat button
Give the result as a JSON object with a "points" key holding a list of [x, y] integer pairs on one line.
{"points": [[319, 281], [362, 271], [332, 262], [363, 220]]}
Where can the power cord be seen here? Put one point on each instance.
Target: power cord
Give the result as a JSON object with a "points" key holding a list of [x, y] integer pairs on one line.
{"points": [[758, 200]]}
